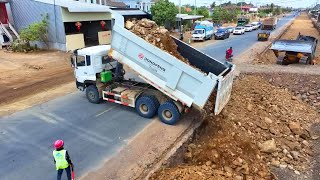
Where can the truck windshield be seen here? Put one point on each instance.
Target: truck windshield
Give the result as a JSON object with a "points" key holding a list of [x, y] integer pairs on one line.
{"points": [[81, 61], [198, 31]]}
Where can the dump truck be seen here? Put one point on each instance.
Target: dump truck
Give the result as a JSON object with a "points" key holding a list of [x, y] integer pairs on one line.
{"points": [[301, 50], [134, 73], [269, 23], [263, 36]]}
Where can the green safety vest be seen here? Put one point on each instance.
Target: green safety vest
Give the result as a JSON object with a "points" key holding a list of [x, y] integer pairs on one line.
{"points": [[60, 158]]}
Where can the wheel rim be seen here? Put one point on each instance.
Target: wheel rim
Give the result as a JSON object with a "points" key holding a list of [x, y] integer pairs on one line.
{"points": [[167, 115], [144, 108], [91, 95]]}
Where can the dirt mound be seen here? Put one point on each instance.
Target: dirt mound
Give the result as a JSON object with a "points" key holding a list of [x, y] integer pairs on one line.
{"points": [[261, 127], [158, 36]]}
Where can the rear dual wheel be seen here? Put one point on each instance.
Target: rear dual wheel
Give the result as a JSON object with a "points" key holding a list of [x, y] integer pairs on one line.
{"points": [[147, 106], [168, 113]]}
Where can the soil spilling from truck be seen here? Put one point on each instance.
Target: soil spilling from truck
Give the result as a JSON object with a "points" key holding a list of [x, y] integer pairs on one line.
{"points": [[156, 35], [263, 126]]}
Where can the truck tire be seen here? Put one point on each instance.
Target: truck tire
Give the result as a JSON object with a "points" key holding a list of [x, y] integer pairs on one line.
{"points": [[146, 106], [93, 94], [168, 113]]}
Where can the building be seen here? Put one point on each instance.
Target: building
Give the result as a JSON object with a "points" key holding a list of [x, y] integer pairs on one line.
{"points": [[72, 23], [7, 32], [144, 5]]}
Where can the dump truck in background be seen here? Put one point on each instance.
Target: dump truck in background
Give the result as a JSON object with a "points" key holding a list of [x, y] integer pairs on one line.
{"points": [[301, 50], [269, 23], [134, 73]]}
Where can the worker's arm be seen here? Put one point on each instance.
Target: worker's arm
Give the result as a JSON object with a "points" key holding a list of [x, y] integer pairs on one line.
{"points": [[68, 158]]}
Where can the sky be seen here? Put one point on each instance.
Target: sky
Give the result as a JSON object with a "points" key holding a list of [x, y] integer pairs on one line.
{"points": [[285, 3]]}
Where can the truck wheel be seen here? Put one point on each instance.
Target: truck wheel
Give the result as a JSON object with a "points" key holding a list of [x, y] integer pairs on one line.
{"points": [[146, 106], [168, 113], [92, 94]]}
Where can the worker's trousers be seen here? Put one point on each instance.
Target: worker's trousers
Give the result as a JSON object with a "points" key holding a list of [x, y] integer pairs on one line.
{"points": [[60, 171]]}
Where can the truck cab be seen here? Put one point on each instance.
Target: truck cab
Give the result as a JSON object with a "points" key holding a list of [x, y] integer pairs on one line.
{"points": [[89, 63]]}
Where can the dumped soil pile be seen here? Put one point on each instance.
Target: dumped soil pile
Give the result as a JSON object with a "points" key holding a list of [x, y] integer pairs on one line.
{"points": [[262, 127], [158, 36], [303, 25], [304, 87]]}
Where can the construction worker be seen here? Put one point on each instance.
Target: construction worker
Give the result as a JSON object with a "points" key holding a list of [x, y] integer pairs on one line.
{"points": [[61, 159]]}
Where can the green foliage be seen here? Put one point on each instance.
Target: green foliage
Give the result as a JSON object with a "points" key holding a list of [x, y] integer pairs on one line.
{"points": [[37, 31], [164, 12], [277, 11], [221, 15], [203, 11], [213, 5]]}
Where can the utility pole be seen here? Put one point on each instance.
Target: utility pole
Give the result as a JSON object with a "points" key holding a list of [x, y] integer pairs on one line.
{"points": [[179, 6], [195, 7]]}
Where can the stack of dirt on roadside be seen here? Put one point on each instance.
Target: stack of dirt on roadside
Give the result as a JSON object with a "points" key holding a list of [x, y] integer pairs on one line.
{"points": [[261, 127]]}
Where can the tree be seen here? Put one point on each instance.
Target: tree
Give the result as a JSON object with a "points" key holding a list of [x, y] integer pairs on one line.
{"points": [[213, 5], [37, 31], [203, 11], [164, 12]]}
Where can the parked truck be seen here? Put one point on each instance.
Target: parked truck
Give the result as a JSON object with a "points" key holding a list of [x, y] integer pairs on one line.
{"points": [[269, 23], [134, 73], [202, 31]]}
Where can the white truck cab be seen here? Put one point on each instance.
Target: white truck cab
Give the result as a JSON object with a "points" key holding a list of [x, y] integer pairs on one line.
{"points": [[89, 62]]}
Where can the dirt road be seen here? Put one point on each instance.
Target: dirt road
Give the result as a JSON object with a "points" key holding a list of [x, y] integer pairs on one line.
{"points": [[26, 74]]}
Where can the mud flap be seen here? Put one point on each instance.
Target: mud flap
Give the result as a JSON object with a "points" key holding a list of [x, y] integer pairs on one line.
{"points": [[224, 91]]}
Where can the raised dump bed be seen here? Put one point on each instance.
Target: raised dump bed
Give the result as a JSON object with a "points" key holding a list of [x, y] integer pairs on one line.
{"points": [[192, 86]]}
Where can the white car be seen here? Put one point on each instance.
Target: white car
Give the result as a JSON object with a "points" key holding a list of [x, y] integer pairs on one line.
{"points": [[255, 25], [248, 27], [239, 30]]}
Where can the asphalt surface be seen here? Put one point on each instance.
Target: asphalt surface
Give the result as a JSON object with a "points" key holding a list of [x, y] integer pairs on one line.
{"points": [[239, 43], [92, 133]]}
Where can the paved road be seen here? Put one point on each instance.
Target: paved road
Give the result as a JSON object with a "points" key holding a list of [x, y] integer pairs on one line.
{"points": [[92, 133], [239, 43]]}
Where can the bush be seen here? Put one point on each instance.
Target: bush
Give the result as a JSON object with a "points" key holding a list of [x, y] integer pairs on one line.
{"points": [[34, 32]]}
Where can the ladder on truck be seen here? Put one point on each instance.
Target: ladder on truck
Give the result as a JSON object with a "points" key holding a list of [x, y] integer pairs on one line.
{"points": [[7, 34]]}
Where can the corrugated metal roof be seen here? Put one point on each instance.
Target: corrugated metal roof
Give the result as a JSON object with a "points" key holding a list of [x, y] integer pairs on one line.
{"points": [[186, 16], [76, 6], [130, 12]]}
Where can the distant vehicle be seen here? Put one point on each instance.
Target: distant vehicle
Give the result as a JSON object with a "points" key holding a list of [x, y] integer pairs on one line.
{"points": [[259, 24], [222, 33], [263, 36], [239, 30], [230, 29], [255, 25], [269, 23], [202, 31], [248, 28], [242, 21]]}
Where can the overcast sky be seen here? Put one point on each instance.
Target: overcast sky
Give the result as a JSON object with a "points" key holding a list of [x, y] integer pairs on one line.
{"points": [[290, 3]]}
